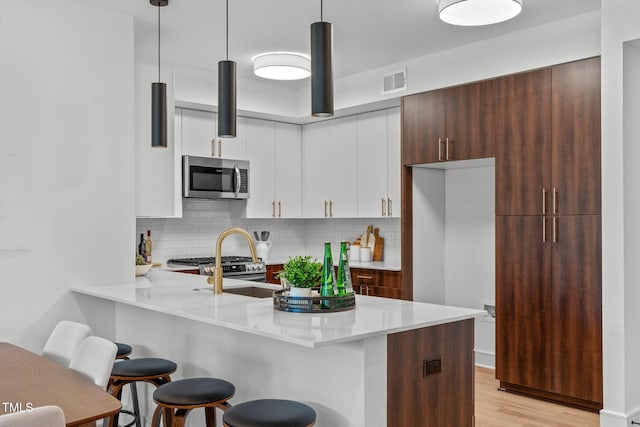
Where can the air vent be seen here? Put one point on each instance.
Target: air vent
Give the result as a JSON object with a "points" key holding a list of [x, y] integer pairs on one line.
{"points": [[394, 82]]}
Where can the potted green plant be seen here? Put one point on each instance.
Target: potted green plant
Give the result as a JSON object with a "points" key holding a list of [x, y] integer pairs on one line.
{"points": [[301, 273]]}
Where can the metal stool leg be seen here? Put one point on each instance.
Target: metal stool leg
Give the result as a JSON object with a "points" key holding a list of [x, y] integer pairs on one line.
{"points": [[136, 408]]}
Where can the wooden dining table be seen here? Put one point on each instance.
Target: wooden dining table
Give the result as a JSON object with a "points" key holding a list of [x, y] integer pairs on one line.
{"points": [[28, 380]]}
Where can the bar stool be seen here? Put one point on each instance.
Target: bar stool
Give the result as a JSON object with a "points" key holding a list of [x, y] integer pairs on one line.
{"points": [[123, 353], [176, 399], [270, 413], [129, 371]]}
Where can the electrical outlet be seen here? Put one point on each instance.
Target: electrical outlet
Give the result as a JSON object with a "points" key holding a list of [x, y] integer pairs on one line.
{"points": [[432, 366]]}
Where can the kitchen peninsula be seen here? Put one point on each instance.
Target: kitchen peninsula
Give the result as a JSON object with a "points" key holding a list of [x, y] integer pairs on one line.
{"points": [[387, 362]]}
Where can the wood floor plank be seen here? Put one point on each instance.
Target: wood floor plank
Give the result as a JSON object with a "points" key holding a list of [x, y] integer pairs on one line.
{"points": [[495, 408]]}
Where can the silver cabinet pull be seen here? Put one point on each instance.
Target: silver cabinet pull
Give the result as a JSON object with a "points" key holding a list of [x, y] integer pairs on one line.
{"points": [[325, 208], [273, 209], [555, 229], [330, 208], [383, 210], [439, 148], [279, 208], [544, 228], [555, 200], [447, 149], [544, 201], [389, 207]]}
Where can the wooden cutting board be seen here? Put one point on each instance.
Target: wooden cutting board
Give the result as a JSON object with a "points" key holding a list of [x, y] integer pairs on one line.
{"points": [[379, 245]]}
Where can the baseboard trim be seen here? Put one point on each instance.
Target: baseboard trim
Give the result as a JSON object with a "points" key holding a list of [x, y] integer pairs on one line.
{"points": [[485, 359]]}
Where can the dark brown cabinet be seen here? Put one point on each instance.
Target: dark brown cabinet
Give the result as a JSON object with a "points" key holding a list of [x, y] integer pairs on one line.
{"points": [[379, 283], [548, 233], [272, 273], [448, 124]]}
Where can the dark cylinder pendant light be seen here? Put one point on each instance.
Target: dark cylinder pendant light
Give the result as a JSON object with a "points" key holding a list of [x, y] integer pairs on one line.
{"points": [[159, 97], [227, 93], [321, 68]]}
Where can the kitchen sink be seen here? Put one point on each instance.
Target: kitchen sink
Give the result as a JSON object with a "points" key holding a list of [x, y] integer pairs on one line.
{"points": [[250, 291]]}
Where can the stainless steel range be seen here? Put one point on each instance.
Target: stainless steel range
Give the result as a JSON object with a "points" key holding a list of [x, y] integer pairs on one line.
{"points": [[233, 267]]}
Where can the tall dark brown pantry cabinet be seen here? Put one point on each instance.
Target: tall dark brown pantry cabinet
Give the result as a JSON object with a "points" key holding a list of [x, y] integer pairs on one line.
{"points": [[548, 233]]}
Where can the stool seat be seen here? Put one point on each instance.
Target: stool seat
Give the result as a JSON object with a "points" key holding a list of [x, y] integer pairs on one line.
{"points": [[143, 367], [193, 391], [124, 350], [270, 413]]}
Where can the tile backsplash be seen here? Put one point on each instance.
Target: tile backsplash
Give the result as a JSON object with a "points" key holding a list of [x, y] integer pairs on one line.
{"points": [[196, 232]]}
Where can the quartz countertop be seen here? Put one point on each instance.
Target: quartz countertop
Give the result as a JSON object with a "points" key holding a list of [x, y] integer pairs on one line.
{"points": [[189, 296]]}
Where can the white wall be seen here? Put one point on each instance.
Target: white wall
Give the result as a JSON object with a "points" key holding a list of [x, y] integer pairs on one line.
{"points": [[619, 201], [66, 161]]}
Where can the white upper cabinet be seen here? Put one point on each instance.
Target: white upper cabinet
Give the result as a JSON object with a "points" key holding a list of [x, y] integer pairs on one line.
{"points": [[158, 181], [329, 169], [235, 148], [379, 164], [288, 171], [198, 132], [393, 162], [260, 143]]}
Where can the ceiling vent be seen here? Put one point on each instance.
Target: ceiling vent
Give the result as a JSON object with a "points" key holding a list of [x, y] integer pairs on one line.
{"points": [[394, 82]]}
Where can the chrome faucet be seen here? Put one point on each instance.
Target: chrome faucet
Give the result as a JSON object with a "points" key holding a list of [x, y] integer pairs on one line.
{"points": [[216, 279]]}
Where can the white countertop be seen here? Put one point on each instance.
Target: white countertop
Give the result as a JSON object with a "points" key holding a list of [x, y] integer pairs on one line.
{"points": [[189, 296]]}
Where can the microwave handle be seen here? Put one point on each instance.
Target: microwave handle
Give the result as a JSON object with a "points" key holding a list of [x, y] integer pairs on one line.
{"points": [[238, 180]]}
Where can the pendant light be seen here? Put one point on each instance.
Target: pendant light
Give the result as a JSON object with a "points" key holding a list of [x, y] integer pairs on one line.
{"points": [[227, 93], [321, 67], [478, 12], [159, 97]]}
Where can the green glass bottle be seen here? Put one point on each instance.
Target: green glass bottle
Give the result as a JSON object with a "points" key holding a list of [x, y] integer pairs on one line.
{"points": [[328, 287], [345, 286]]}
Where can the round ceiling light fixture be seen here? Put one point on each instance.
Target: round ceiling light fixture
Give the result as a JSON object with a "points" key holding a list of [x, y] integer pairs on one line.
{"points": [[282, 66], [478, 12]]}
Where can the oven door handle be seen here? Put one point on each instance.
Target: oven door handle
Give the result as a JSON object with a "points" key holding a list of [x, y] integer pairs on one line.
{"points": [[258, 277], [238, 180]]}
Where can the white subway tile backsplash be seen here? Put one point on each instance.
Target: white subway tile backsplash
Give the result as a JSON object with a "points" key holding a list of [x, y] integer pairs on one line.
{"points": [[195, 234]]}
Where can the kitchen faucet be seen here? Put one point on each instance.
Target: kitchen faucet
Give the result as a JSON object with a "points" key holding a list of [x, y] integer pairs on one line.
{"points": [[216, 279]]}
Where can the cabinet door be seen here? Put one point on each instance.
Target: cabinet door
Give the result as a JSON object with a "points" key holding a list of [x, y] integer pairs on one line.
{"points": [[384, 292], [523, 301], [372, 164], [423, 127], [575, 135], [288, 171], [469, 122], [198, 132], [577, 307], [236, 148], [261, 155], [523, 143], [343, 157], [316, 169], [393, 162]]}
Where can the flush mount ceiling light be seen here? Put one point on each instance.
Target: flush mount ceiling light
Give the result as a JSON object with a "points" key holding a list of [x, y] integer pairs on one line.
{"points": [[478, 12], [282, 66], [321, 67], [227, 93], [159, 97]]}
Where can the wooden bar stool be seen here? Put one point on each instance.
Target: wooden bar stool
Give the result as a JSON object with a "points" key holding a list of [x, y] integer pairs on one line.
{"points": [[270, 413], [123, 353], [176, 399], [129, 371]]}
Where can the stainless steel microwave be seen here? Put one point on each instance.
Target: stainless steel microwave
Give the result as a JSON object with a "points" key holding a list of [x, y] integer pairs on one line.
{"points": [[215, 178]]}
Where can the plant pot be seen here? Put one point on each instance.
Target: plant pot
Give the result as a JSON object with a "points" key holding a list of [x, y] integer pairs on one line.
{"points": [[299, 292]]}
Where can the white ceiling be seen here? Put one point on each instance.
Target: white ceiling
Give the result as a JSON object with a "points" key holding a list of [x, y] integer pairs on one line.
{"points": [[367, 33]]}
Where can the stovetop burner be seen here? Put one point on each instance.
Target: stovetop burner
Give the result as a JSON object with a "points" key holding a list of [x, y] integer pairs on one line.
{"points": [[196, 261]]}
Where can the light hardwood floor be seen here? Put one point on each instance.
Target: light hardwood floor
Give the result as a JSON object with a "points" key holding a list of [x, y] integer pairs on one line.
{"points": [[496, 408]]}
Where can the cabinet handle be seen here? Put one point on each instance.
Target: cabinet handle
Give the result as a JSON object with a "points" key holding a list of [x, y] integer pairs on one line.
{"points": [[544, 228], [447, 150], [544, 201], [279, 208], [439, 148], [273, 209], [389, 207], [330, 208], [383, 210], [555, 200], [325, 208], [364, 277], [555, 229]]}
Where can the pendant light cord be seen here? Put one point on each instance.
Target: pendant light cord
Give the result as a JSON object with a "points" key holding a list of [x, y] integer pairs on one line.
{"points": [[158, 43], [227, 30], [321, 14]]}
